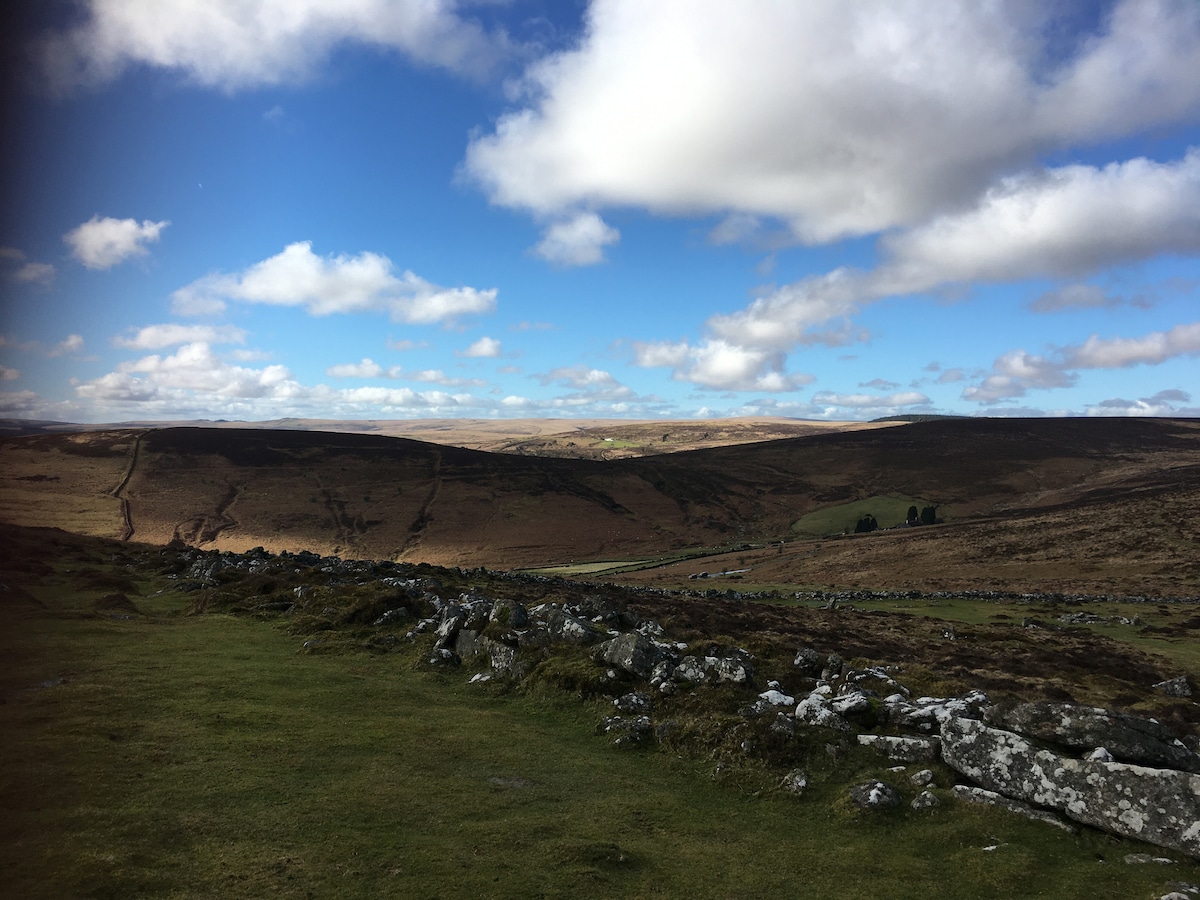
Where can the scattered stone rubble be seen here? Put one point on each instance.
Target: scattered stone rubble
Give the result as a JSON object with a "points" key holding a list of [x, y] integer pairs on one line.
{"points": [[1049, 761]]}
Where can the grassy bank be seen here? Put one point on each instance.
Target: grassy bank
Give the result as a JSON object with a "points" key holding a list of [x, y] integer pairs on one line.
{"points": [[151, 754]]}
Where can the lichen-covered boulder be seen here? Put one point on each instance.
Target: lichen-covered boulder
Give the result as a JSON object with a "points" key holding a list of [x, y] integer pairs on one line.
{"points": [[507, 660], [925, 800], [850, 702], [927, 713], [1158, 806], [795, 781], [973, 794], [813, 710], [565, 627], [731, 666], [808, 661], [634, 702], [875, 795], [1128, 738], [902, 749], [633, 653], [509, 614], [1175, 687], [628, 731], [468, 643]]}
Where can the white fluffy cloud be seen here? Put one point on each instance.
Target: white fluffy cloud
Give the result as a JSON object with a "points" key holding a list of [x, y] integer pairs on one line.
{"points": [[189, 381], [437, 376], [874, 402], [1066, 221], [922, 123], [484, 348], [580, 377], [195, 381], [334, 284], [407, 400], [579, 241], [839, 119], [1018, 371], [101, 243], [589, 386], [720, 365], [156, 337], [7, 374], [241, 43], [1151, 349], [368, 368], [1163, 403]]}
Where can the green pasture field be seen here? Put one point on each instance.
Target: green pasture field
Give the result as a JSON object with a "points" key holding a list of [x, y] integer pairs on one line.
{"points": [[889, 511], [171, 756]]}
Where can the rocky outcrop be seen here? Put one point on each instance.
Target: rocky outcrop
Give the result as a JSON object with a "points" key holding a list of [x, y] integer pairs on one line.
{"points": [[1159, 806], [1127, 738]]}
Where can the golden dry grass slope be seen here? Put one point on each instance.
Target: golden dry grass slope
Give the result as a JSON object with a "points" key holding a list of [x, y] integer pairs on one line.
{"points": [[1094, 505]]}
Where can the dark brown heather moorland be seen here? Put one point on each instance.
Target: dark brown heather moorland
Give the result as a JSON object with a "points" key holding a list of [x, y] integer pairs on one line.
{"points": [[1101, 506]]}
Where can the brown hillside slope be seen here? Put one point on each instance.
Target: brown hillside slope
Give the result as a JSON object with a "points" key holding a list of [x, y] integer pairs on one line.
{"points": [[1109, 502]]}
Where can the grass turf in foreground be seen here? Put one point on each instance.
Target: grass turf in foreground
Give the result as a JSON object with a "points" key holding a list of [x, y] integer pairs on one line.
{"points": [[204, 757]]}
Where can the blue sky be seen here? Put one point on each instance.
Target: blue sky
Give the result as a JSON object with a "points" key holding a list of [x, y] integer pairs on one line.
{"points": [[250, 209]]}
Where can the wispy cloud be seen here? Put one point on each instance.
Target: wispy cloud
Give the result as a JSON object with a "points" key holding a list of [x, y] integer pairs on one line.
{"points": [[155, 337], [17, 267], [1075, 296]]}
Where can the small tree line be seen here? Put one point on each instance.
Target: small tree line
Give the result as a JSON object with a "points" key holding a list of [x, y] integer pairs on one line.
{"points": [[925, 516]]}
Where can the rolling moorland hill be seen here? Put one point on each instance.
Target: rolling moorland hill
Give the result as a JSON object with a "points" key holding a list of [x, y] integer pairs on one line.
{"points": [[573, 438], [1091, 505]]}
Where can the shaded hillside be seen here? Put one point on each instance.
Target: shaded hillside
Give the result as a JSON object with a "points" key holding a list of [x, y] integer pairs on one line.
{"points": [[574, 438], [1097, 499]]}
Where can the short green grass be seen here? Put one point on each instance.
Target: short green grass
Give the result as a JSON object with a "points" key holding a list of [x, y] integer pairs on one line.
{"points": [[204, 756], [889, 511]]}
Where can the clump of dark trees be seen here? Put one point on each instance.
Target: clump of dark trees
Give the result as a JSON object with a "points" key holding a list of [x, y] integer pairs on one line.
{"points": [[926, 516]]}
